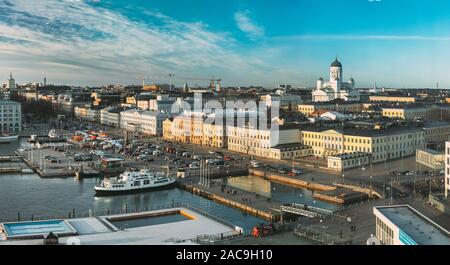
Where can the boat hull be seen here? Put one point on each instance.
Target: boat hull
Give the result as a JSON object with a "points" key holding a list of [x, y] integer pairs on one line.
{"points": [[8, 139], [102, 192]]}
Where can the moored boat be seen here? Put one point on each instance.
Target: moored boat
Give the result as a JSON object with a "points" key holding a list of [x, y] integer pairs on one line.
{"points": [[132, 181], [8, 138]]}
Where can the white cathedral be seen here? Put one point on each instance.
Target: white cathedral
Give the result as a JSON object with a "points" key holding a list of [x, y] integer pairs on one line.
{"points": [[336, 88]]}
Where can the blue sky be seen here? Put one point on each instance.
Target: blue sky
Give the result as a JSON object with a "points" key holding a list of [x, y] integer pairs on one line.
{"points": [[398, 43]]}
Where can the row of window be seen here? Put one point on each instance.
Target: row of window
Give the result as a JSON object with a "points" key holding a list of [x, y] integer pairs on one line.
{"points": [[384, 233]]}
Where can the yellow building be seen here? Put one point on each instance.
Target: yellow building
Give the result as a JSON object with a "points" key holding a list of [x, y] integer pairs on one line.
{"points": [[167, 129], [404, 99], [192, 128], [131, 100], [308, 109], [383, 144], [405, 113], [143, 104], [81, 112], [150, 88], [214, 135]]}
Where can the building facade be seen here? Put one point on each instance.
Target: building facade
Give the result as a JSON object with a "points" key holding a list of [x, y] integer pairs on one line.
{"points": [[261, 142], [405, 113], [343, 162], [152, 122], [110, 116], [10, 116], [147, 122], [437, 133], [404, 225], [382, 145], [87, 113], [430, 158]]}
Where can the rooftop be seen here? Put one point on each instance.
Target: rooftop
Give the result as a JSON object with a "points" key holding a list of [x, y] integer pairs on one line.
{"points": [[432, 124], [418, 227], [365, 132]]}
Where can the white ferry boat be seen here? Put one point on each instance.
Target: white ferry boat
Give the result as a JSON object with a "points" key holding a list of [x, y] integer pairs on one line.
{"points": [[134, 181], [5, 138]]}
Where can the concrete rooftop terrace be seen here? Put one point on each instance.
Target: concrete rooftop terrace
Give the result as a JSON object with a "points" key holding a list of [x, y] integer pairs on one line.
{"points": [[422, 230], [99, 231]]}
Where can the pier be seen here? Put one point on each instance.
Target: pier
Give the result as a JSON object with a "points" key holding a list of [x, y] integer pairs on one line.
{"points": [[35, 159], [249, 203], [11, 158], [290, 181]]}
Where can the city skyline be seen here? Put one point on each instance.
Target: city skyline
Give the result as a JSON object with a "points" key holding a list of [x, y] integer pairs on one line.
{"points": [[242, 42]]}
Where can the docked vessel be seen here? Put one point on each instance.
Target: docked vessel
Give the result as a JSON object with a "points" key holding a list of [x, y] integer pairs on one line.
{"points": [[132, 181], [5, 138], [52, 133]]}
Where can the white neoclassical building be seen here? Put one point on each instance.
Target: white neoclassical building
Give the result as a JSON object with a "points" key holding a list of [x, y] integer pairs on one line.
{"points": [[335, 88]]}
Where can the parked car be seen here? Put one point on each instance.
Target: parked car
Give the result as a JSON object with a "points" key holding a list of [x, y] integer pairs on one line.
{"points": [[297, 171], [409, 173], [282, 170], [197, 157]]}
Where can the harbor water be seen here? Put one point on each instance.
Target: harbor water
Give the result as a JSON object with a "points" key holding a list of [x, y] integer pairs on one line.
{"points": [[31, 195]]}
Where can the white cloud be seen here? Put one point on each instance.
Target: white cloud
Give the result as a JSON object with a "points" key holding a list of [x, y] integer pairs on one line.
{"points": [[103, 45], [247, 25]]}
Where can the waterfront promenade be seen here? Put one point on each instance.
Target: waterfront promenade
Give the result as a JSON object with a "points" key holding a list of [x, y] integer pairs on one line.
{"points": [[248, 202]]}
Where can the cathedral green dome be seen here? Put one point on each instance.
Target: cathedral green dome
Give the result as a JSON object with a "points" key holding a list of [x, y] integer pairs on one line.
{"points": [[336, 63]]}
